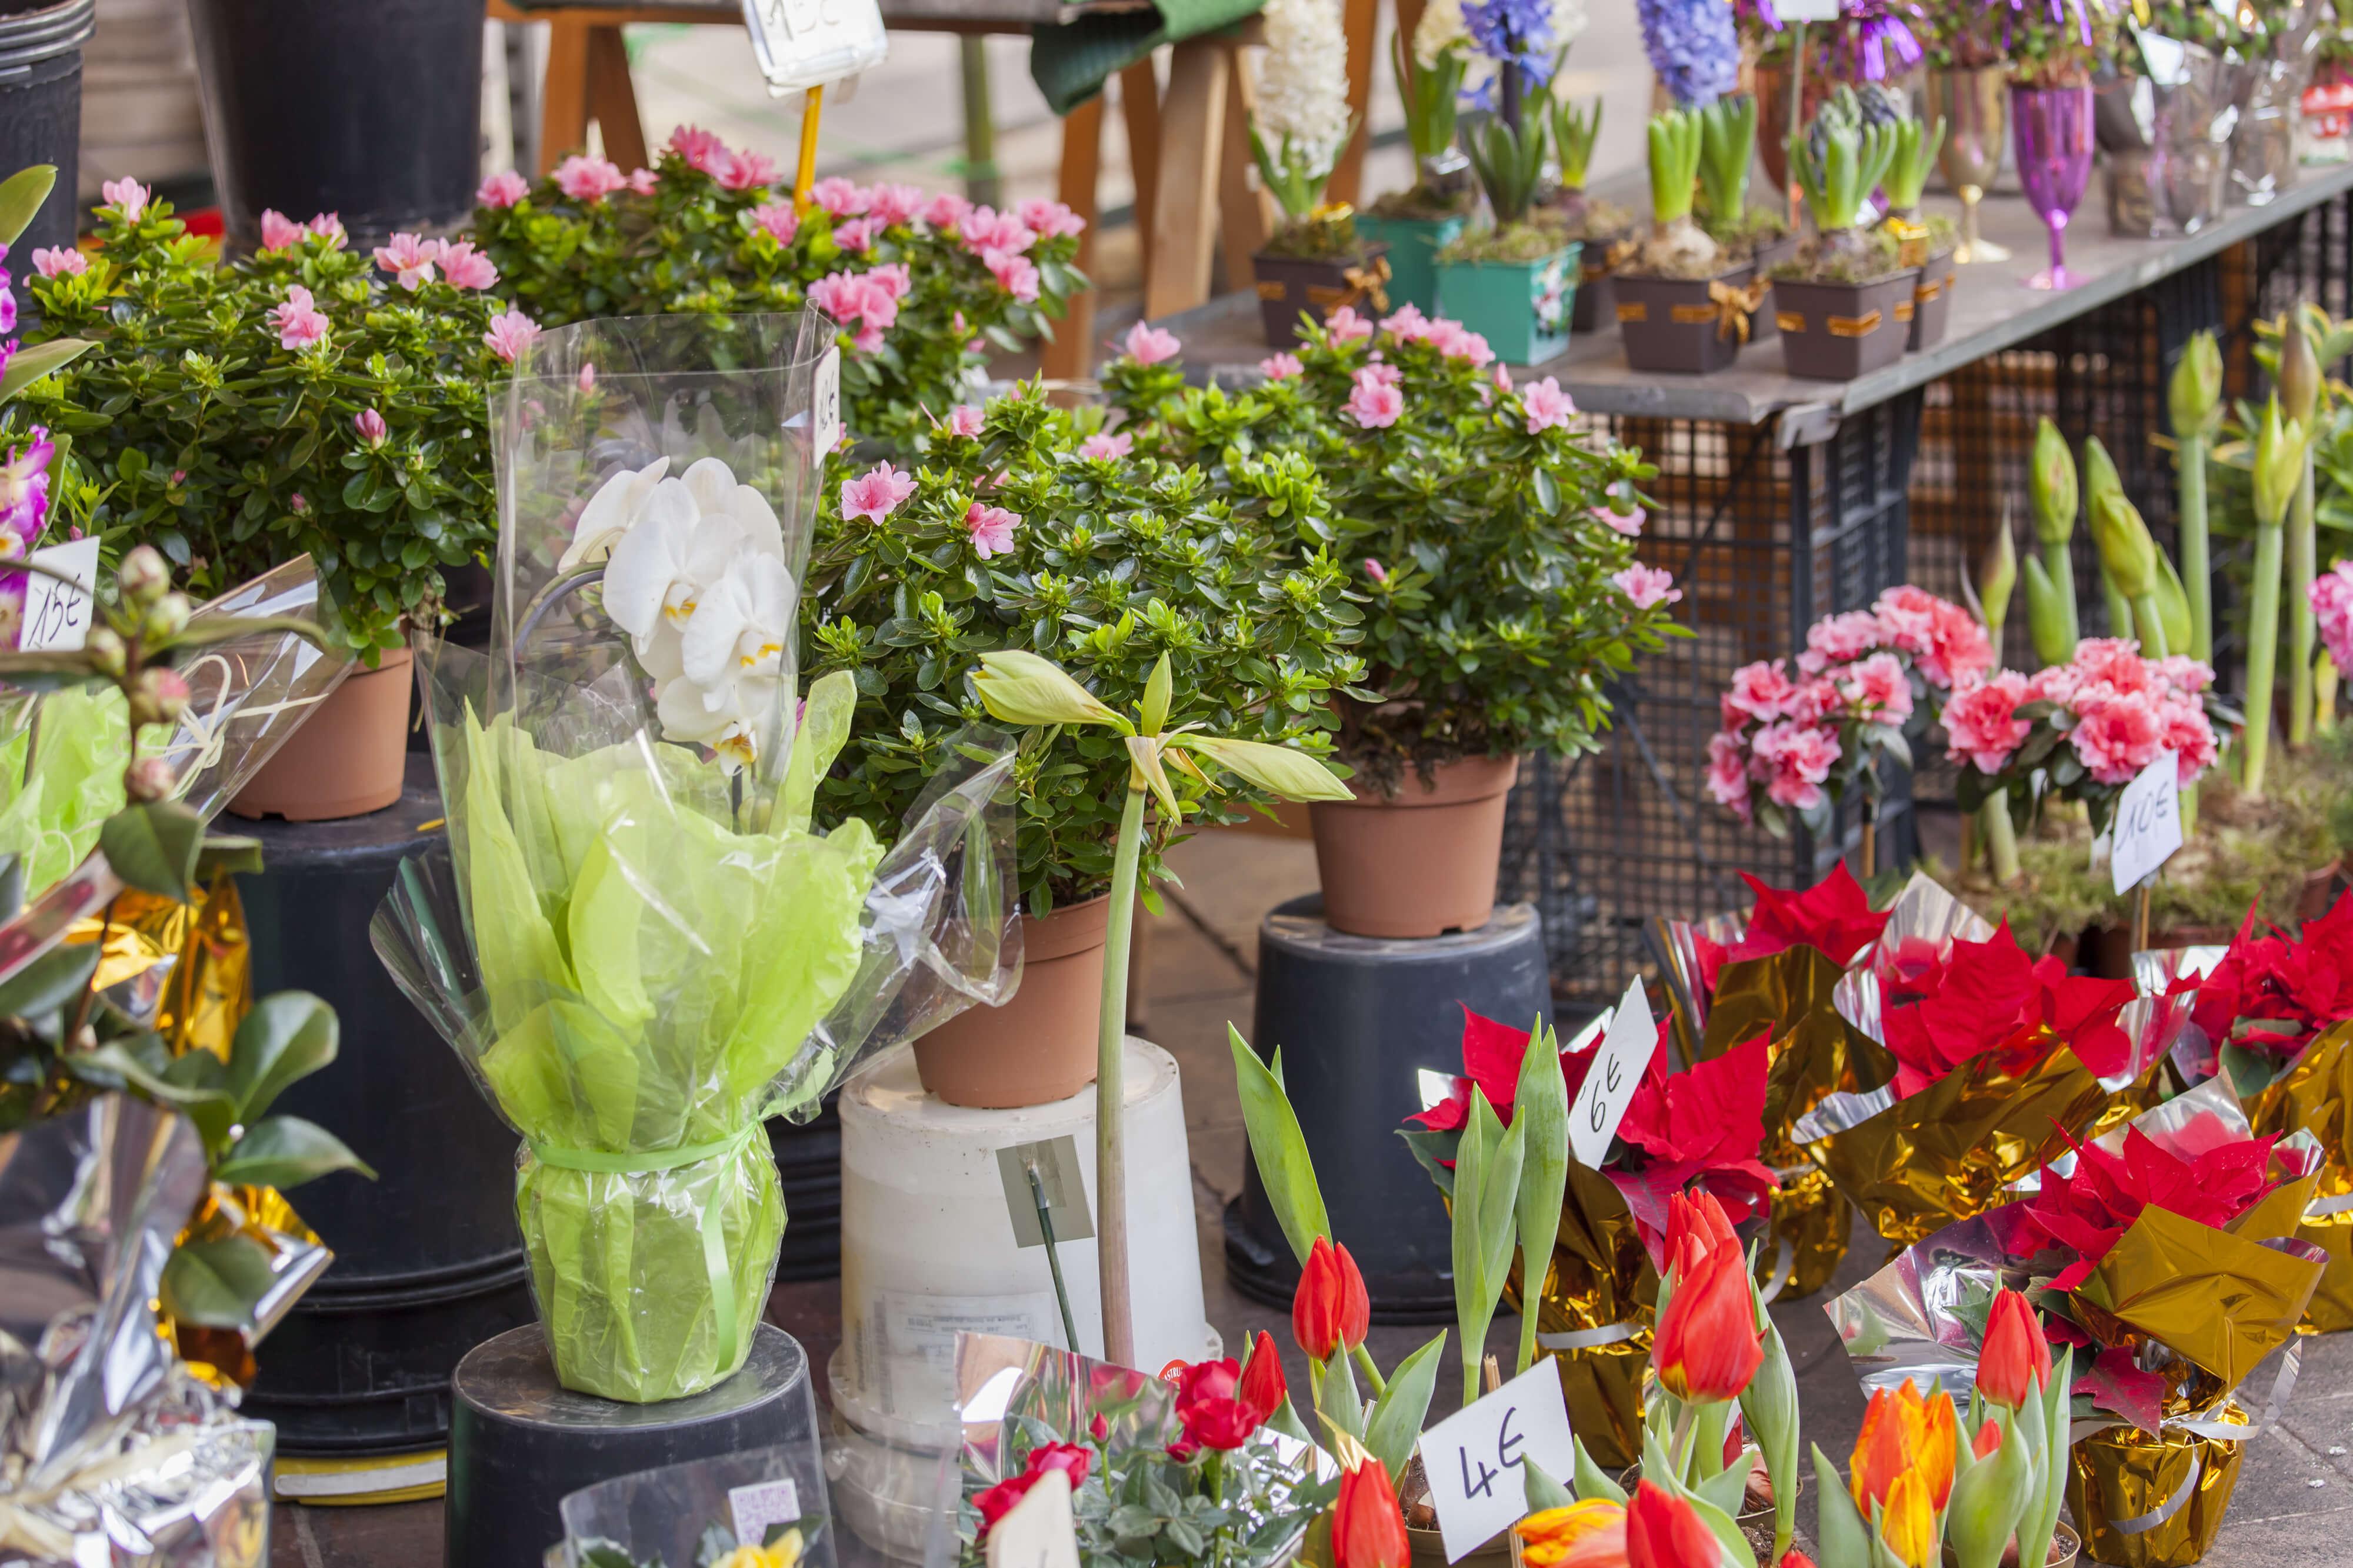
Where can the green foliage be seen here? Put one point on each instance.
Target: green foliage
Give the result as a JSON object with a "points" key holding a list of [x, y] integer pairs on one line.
{"points": [[1115, 563], [1676, 138], [694, 244], [1508, 164], [1917, 146], [1727, 146], [1486, 1195], [230, 453], [1428, 93], [1840, 161], [1574, 133]]}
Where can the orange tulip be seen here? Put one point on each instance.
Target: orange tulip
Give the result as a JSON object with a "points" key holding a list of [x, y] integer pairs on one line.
{"points": [[1903, 1434], [1663, 1530], [1330, 1311], [1591, 1533], [1367, 1527], [1908, 1521], [1707, 1346], [2015, 1365]]}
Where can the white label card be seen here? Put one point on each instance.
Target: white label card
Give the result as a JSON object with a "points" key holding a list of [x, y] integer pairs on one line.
{"points": [[825, 401], [1039, 1531], [1805, 11], [2148, 825], [57, 614], [760, 1505], [808, 43], [1609, 1083], [1475, 1459]]}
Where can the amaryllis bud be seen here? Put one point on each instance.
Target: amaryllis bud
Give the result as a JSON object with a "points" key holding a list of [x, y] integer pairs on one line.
{"points": [[158, 696], [1998, 579], [2299, 369], [2127, 555], [1330, 1311], [148, 779], [1707, 1346], [167, 618], [2051, 481], [143, 577], [1262, 1388], [107, 653], [2195, 392], [370, 426], [2279, 464], [2015, 1365], [1368, 1526]]}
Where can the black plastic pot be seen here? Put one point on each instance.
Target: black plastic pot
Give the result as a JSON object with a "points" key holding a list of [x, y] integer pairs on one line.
{"points": [[809, 1163], [1289, 287], [1769, 255], [371, 111], [1596, 306], [1837, 332], [1932, 301], [1673, 324], [40, 109]]}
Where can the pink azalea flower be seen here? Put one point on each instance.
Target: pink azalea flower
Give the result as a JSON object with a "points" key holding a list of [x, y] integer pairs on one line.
{"points": [[1836, 640], [1017, 275], [1549, 408], [1981, 724], [587, 379], [587, 179], [1104, 444], [890, 205], [947, 211], [1647, 585], [126, 197], [1945, 641], [409, 260], [643, 182], [510, 334], [2112, 662], [1727, 773], [62, 261], [862, 298], [1627, 523], [297, 322], [1148, 344], [892, 280], [502, 189], [1407, 324], [466, 268], [279, 232], [779, 219], [964, 419], [2190, 676], [1376, 571], [857, 235], [1503, 378], [2332, 607], [702, 150], [1374, 403], [2190, 736], [840, 197], [992, 529], [370, 426], [1761, 690], [747, 170], [876, 493], [1879, 688], [1799, 757], [987, 229], [1050, 219], [1382, 374], [1457, 342], [1345, 326], [2118, 738], [329, 225], [1279, 366]]}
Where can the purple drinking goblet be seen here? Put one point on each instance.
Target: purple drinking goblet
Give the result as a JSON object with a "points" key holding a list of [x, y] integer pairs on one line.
{"points": [[2052, 126]]}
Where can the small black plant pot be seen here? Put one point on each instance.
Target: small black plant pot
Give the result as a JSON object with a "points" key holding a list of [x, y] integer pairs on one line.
{"points": [[1769, 255], [1675, 326], [40, 108], [1932, 301], [1314, 286], [371, 111], [1837, 332], [1597, 283]]}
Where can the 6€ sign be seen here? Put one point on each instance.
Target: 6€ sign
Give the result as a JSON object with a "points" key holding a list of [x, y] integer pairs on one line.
{"points": [[1475, 1458], [1626, 1047]]}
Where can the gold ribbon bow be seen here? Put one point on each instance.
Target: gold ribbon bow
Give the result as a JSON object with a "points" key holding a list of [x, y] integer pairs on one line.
{"points": [[1366, 283], [1734, 307], [1610, 257]]}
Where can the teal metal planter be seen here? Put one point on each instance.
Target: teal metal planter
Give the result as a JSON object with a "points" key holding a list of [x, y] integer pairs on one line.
{"points": [[1521, 307], [1414, 244]]}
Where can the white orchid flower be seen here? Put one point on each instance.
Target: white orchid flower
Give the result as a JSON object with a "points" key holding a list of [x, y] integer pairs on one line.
{"points": [[723, 720], [741, 625], [666, 559], [714, 488], [610, 514]]}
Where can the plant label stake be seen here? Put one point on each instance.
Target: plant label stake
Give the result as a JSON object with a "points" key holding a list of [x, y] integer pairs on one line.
{"points": [[1045, 1196], [804, 45], [1475, 1457], [57, 612], [1610, 1082], [1040, 1532], [2147, 826]]}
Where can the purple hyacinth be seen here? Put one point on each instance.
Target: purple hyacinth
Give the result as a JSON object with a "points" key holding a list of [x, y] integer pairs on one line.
{"points": [[1693, 48], [1513, 33], [1881, 44]]}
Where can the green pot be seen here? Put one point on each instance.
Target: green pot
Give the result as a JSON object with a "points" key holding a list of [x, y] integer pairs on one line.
{"points": [[1414, 244], [1521, 307]]}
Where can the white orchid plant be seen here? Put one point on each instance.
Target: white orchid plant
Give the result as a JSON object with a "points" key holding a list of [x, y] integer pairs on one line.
{"points": [[694, 571]]}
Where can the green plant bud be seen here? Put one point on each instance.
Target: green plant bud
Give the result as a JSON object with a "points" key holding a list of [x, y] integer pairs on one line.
{"points": [[2126, 552], [2195, 393], [2051, 482], [1998, 578], [2279, 464], [2299, 371]]}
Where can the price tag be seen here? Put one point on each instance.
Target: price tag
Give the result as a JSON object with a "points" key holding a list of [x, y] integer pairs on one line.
{"points": [[825, 402], [761, 1505], [1609, 1083], [1805, 11], [1039, 1532], [807, 43], [1475, 1457], [57, 614], [2148, 825]]}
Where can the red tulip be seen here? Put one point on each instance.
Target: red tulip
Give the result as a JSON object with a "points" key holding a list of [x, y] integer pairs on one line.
{"points": [[2015, 1365], [1987, 1441], [1707, 1346], [1700, 1218], [1663, 1530], [997, 1501], [1209, 1403], [1793, 1558], [1367, 1527], [1262, 1388], [1330, 1311]]}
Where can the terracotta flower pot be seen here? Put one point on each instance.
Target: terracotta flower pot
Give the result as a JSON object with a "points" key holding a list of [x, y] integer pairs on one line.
{"points": [[348, 757], [1421, 865], [1040, 1045]]}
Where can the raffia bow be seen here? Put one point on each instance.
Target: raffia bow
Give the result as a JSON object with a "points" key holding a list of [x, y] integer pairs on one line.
{"points": [[1733, 305], [1368, 283]]}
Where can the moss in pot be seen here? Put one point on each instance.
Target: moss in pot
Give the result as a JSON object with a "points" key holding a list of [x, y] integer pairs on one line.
{"points": [[1513, 283], [1924, 243], [1835, 302], [1684, 303], [1416, 222]]}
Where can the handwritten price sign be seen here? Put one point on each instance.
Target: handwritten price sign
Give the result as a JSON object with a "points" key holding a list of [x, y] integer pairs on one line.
{"points": [[1608, 1088], [1476, 1458], [57, 614], [2148, 825]]}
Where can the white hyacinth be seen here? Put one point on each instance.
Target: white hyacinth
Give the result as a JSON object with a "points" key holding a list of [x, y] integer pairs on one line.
{"points": [[1302, 99]]}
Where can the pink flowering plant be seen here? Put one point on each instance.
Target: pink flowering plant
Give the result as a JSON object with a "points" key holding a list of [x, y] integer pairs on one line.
{"points": [[312, 398], [1795, 744], [925, 286], [1025, 530], [1490, 537]]}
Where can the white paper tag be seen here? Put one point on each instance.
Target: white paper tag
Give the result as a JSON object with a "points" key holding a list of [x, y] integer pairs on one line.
{"points": [[57, 614], [1609, 1083], [1475, 1457], [1805, 11], [808, 43], [1039, 1531], [825, 402], [758, 1507], [2148, 825]]}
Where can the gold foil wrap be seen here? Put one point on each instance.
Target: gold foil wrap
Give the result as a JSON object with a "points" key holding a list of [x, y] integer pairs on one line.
{"points": [[1595, 1315], [2151, 1502], [297, 1258], [185, 968], [2222, 1301], [2314, 1094]]}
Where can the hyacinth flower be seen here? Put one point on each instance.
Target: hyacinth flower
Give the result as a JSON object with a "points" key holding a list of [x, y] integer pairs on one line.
{"points": [[1727, 147], [1879, 43], [1677, 245], [2194, 399], [2280, 446], [2050, 578], [1838, 178], [1694, 48], [1575, 131]]}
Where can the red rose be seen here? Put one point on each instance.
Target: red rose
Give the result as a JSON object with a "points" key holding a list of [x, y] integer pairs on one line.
{"points": [[1209, 1403]]}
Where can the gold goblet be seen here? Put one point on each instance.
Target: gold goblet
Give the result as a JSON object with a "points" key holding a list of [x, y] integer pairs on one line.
{"points": [[1974, 103]]}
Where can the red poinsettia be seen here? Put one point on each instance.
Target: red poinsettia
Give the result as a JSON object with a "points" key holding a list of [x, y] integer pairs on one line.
{"points": [[1833, 915], [2283, 988], [2085, 1213], [1991, 996]]}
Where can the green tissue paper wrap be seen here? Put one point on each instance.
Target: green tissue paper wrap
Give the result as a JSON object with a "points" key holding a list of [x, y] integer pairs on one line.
{"points": [[79, 741]]}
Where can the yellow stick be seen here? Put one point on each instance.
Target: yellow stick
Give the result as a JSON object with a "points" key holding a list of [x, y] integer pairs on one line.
{"points": [[806, 175]]}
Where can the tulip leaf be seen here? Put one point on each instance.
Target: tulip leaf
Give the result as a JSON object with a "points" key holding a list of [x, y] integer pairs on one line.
{"points": [[1336, 1399], [1486, 1192], [1395, 1424], [1839, 1528], [1279, 1148], [1542, 1490], [1591, 1479], [1540, 1113], [1726, 1487], [28, 365], [1711, 1418]]}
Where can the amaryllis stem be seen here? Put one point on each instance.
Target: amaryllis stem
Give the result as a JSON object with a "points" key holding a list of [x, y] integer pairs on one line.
{"points": [[2262, 651], [2194, 564], [2303, 552], [2001, 837], [1111, 1047]]}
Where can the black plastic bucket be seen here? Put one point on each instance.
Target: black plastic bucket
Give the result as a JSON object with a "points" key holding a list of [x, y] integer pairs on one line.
{"points": [[40, 111], [429, 1263], [372, 110]]}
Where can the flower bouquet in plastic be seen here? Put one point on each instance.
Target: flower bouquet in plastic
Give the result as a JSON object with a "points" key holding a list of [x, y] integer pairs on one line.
{"points": [[2125, 1245], [1986, 1062], [1772, 972], [637, 941], [1699, 1130]]}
